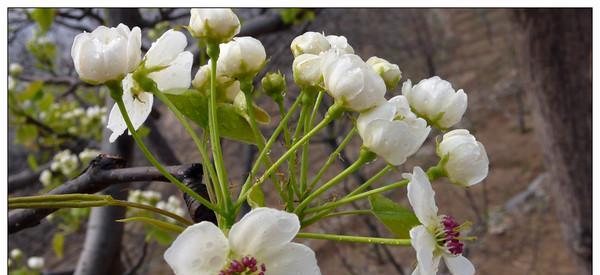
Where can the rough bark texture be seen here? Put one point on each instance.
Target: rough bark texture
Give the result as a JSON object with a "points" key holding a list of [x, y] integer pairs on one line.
{"points": [[556, 51]]}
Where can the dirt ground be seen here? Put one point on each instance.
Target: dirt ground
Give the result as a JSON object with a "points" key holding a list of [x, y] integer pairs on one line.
{"points": [[513, 216]]}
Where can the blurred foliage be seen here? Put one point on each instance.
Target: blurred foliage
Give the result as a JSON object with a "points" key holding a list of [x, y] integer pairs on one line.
{"points": [[296, 15], [43, 17]]}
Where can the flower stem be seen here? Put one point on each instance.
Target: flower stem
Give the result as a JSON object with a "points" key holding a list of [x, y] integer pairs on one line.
{"points": [[334, 112], [372, 180], [365, 157], [212, 50], [117, 95], [354, 239], [308, 123]]}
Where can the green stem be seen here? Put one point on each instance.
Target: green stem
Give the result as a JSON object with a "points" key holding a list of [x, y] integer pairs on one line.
{"points": [[356, 197], [117, 95], [349, 212], [292, 162], [354, 239], [263, 153], [372, 180], [213, 52], [334, 112], [365, 157], [330, 160], [308, 123]]}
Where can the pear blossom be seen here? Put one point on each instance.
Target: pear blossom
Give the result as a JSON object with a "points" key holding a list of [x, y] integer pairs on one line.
{"points": [[307, 70], [260, 243], [390, 73], [241, 57], [392, 131], [339, 43], [12, 83], [36, 263], [174, 71], [216, 25], [435, 100], [16, 254], [349, 80], [438, 236], [15, 69], [227, 85], [107, 53], [46, 177], [310, 42], [274, 85], [467, 162]]}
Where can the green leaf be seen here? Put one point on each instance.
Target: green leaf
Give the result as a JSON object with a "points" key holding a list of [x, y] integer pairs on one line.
{"points": [[155, 223], [58, 244], [194, 105], [256, 197], [32, 91], [26, 133], [398, 219], [43, 17], [33, 165], [46, 101]]}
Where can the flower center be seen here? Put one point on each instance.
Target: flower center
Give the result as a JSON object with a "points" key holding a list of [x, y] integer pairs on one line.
{"points": [[449, 235], [247, 265]]}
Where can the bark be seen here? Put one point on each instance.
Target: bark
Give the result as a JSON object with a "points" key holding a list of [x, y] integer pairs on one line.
{"points": [[556, 52]]}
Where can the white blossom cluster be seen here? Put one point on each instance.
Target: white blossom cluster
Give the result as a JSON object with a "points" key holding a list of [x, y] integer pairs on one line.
{"points": [[154, 198], [16, 257], [65, 163], [173, 204]]}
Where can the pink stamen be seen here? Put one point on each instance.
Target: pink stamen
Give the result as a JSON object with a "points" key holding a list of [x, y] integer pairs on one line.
{"points": [[451, 235], [247, 265]]}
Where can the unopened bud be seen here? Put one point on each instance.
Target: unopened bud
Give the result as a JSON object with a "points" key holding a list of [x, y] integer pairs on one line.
{"points": [[274, 85]]}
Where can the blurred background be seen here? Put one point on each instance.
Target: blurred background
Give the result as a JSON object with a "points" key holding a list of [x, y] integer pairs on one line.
{"points": [[527, 74]]}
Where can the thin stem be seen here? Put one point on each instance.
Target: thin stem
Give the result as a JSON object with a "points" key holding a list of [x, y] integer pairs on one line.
{"points": [[334, 111], [364, 157], [349, 212], [65, 197], [116, 93], [372, 180], [292, 163], [331, 159], [308, 123], [263, 153], [354, 239]]}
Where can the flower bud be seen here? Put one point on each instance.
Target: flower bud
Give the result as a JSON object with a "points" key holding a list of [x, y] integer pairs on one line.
{"points": [[467, 162], [307, 70], [106, 53], [15, 69], [241, 57], [435, 100], [339, 43], [309, 42], [214, 25], [202, 77], [274, 85], [36, 263], [16, 254], [46, 178], [390, 73], [391, 131], [12, 83], [349, 80]]}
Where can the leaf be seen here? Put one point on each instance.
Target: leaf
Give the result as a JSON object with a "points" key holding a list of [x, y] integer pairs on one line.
{"points": [[155, 223], [256, 197], [58, 244], [31, 91], [33, 165], [43, 17], [398, 219], [26, 134], [194, 105]]}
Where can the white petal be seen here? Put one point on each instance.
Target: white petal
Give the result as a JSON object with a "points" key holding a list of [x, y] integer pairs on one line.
{"points": [[384, 111], [177, 75], [422, 198], [201, 249], [165, 49], [134, 52], [115, 123], [291, 259], [395, 140], [263, 229], [459, 265], [424, 244]]}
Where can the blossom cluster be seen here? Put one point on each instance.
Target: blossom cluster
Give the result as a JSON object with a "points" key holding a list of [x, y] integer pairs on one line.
{"points": [[64, 164], [154, 198], [16, 262]]}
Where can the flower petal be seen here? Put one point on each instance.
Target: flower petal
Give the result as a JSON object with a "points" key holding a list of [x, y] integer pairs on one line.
{"points": [[178, 74], [459, 265], [424, 244], [292, 258], [201, 249], [115, 123], [385, 111], [422, 198], [165, 49], [261, 230]]}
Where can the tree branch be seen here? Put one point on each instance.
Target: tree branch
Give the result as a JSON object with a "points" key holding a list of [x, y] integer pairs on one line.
{"points": [[102, 172]]}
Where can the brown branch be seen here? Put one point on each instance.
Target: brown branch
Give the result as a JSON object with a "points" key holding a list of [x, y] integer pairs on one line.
{"points": [[102, 172]]}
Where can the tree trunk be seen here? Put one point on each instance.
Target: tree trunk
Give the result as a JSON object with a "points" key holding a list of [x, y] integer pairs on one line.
{"points": [[556, 51]]}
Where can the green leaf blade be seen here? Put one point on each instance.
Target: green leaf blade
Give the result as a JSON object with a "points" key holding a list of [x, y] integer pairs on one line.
{"points": [[398, 219]]}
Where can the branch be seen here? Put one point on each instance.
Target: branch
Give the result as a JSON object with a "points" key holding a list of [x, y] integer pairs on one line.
{"points": [[102, 172], [25, 178]]}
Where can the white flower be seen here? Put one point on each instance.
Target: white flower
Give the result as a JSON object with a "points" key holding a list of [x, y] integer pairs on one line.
{"points": [[168, 52], [12, 83], [46, 178], [16, 254], [467, 162], [261, 240], [435, 100], [390, 73], [88, 154], [202, 77], [218, 25], [15, 69], [310, 42], [391, 131], [349, 80], [438, 237], [106, 53], [241, 57], [36, 263], [339, 43], [307, 70]]}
